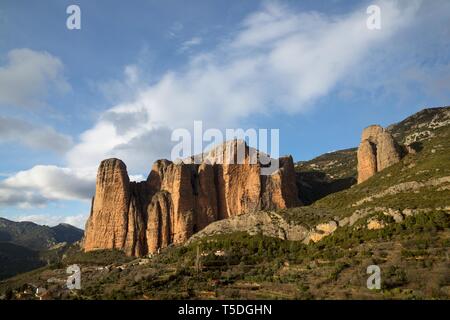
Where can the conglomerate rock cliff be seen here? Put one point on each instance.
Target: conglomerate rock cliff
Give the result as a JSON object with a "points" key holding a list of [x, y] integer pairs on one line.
{"points": [[179, 199], [377, 151]]}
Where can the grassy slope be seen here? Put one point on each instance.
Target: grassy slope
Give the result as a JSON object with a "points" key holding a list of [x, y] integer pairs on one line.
{"points": [[411, 255], [26, 246], [27, 234], [337, 165], [432, 162], [15, 259]]}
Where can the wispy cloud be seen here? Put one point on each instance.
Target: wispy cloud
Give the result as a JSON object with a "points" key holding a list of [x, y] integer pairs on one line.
{"points": [[33, 136], [40, 184], [175, 29], [78, 220], [121, 89], [190, 43], [278, 60], [28, 76]]}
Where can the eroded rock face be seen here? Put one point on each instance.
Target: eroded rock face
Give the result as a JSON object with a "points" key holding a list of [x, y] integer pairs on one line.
{"points": [[159, 226], [321, 231], [268, 223], [206, 205], [116, 220], [367, 160], [180, 199], [377, 151]]}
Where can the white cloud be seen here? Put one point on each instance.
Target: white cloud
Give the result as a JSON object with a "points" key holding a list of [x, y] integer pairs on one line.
{"points": [[175, 29], [195, 41], [29, 76], [418, 65], [78, 221], [122, 89], [137, 177], [278, 61], [36, 137], [24, 199], [41, 184]]}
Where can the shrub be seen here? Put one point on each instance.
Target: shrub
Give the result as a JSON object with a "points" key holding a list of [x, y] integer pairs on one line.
{"points": [[394, 277]]}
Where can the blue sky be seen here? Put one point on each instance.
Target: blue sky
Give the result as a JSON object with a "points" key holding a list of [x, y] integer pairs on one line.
{"points": [[136, 71]]}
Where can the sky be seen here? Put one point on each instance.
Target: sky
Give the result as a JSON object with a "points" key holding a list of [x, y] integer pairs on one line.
{"points": [[136, 71]]}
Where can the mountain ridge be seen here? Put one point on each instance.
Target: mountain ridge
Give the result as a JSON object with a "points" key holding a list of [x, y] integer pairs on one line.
{"points": [[27, 245], [36, 236]]}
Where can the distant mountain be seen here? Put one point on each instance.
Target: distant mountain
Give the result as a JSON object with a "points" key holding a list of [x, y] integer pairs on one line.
{"points": [[37, 237], [25, 246], [67, 233]]}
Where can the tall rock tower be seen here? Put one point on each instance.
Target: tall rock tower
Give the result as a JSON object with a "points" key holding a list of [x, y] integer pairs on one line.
{"points": [[377, 151]]}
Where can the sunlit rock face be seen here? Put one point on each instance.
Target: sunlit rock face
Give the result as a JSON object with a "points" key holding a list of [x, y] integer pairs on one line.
{"points": [[377, 151], [179, 199]]}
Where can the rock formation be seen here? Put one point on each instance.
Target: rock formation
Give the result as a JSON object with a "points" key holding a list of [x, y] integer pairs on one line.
{"points": [[179, 199], [267, 223], [116, 220], [377, 151]]}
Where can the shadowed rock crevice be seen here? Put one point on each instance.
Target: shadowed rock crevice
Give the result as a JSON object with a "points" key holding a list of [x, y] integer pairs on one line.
{"points": [[315, 185]]}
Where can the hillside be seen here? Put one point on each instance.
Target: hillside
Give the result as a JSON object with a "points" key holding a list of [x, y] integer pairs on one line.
{"points": [[27, 234], [64, 232], [336, 165], [25, 246], [399, 220], [336, 171], [16, 259], [420, 182], [420, 125], [37, 237]]}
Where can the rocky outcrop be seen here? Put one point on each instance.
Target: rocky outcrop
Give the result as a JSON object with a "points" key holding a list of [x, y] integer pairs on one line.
{"points": [[267, 223], [367, 160], [321, 231], [179, 199], [279, 190], [375, 224], [377, 151], [116, 221], [106, 228]]}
